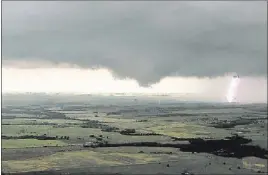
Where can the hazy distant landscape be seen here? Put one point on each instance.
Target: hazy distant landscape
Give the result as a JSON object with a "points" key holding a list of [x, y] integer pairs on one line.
{"points": [[119, 134]]}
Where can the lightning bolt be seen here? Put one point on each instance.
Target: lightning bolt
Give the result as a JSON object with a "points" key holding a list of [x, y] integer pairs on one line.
{"points": [[231, 94]]}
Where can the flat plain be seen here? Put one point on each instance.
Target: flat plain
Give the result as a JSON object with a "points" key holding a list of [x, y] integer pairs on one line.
{"points": [[132, 135]]}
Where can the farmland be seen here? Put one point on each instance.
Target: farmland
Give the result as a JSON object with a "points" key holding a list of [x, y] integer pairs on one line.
{"points": [[93, 137]]}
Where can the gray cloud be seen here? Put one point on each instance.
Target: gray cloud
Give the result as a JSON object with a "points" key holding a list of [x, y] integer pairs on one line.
{"points": [[141, 40]]}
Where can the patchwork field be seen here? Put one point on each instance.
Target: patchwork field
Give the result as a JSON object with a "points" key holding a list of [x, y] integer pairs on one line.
{"points": [[123, 137]]}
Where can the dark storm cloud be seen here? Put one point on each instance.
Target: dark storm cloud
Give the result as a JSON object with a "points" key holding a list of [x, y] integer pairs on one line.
{"points": [[141, 40]]}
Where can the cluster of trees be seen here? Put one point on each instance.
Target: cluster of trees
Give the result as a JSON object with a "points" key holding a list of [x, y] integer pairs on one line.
{"points": [[97, 124], [54, 115], [63, 137], [38, 137], [127, 131], [145, 120], [110, 129]]}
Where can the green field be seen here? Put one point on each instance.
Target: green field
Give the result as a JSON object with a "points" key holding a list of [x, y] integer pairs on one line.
{"points": [[14, 130], [80, 159], [73, 133], [27, 143], [18, 121], [180, 130], [66, 122]]}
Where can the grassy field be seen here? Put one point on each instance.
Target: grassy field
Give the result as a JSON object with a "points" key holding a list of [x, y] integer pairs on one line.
{"points": [[74, 132], [27, 143], [18, 121], [79, 159], [183, 130], [70, 152], [254, 163], [15, 130], [22, 115], [179, 130]]}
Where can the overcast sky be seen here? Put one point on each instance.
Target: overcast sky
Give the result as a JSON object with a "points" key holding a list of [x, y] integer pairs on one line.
{"points": [[142, 41]]}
